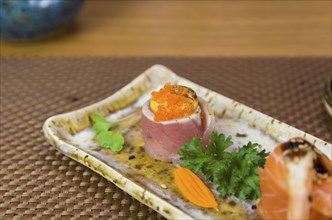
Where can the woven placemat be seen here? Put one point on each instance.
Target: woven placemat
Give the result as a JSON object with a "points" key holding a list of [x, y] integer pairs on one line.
{"points": [[39, 182]]}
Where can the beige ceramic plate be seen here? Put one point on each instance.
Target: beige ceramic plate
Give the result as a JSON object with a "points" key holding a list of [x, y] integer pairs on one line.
{"points": [[149, 181]]}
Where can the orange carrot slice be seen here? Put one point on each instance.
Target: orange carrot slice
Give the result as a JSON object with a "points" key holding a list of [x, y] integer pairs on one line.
{"points": [[193, 188]]}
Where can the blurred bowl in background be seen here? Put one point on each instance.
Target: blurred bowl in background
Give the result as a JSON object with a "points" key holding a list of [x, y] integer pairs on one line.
{"points": [[27, 19]]}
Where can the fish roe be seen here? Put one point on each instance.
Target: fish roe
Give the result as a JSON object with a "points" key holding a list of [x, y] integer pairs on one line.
{"points": [[173, 102]]}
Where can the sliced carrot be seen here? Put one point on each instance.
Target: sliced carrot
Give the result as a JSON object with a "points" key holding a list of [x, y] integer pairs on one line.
{"points": [[186, 190], [193, 188], [204, 189], [197, 187]]}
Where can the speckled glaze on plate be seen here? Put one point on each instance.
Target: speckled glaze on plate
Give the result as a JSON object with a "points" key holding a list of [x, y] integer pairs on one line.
{"points": [[150, 181]]}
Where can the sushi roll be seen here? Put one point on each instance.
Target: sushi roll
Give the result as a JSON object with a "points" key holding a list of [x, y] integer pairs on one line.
{"points": [[171, 118]]}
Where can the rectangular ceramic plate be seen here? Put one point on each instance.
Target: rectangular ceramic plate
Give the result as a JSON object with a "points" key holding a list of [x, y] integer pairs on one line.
{"points": [[149, 181]]}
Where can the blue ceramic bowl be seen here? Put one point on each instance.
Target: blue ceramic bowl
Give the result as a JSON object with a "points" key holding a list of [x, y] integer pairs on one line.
{"points": [[26, 19]]}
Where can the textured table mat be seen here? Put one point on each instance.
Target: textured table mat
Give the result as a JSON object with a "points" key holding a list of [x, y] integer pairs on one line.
{"points": [[39, 182]]}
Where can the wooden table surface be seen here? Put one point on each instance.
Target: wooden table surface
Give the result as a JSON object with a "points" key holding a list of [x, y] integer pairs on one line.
{"points": [[189, 28]]}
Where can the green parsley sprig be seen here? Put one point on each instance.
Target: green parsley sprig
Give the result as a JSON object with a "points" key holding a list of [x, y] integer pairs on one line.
{"points": [[106, 138], [234, 173]]}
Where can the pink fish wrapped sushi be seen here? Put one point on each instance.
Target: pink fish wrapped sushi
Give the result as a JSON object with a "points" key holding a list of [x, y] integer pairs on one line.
{"points": [[171, 118]]}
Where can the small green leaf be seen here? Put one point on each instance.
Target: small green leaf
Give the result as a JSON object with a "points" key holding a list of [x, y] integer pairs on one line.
{"points": [[110, 140], [97, 117], [101, 126], [192, 155], [218, 143], [117, 141], [104, 139]]}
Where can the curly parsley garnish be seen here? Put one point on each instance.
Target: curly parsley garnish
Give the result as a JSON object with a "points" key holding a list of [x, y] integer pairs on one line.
{"points": [[234, 173], [106, 138]]}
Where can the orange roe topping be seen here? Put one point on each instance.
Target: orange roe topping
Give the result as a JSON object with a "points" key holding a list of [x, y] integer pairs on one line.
{"points": [[173, 102]]}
